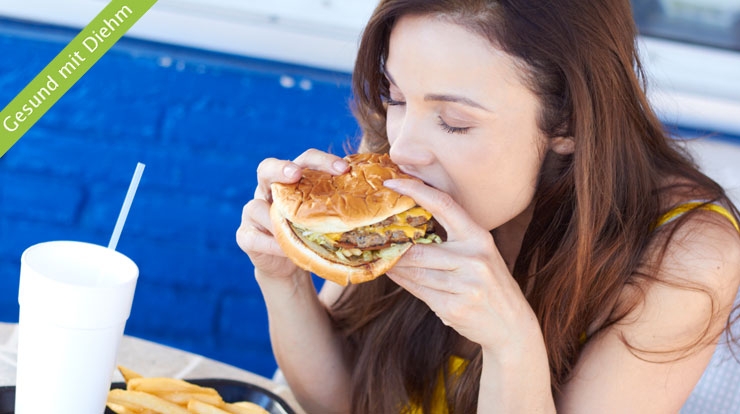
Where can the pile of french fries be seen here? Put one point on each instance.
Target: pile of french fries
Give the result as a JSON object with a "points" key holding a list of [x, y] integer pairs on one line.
{"points": [[151, 395]]}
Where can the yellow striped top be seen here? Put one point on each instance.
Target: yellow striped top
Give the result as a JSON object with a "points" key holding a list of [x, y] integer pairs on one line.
{"points": [[456, 366], [680, 209]]}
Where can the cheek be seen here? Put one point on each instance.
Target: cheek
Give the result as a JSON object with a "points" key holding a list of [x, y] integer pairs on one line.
{"points": [[495, 187], [393, 124]]}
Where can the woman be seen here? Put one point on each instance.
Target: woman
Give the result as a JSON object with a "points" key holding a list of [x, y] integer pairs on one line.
{"points": [[589, 266]]}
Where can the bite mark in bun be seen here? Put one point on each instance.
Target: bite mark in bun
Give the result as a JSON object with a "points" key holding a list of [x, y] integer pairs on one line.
{"points": [[348, 228]]}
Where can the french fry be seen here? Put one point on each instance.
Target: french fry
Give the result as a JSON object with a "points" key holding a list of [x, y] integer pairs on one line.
{"points": [[162, 384], [143, 400], [160, 395], [128, 374], [122, 409], [199, 407], [182, 397], [244, 407]]}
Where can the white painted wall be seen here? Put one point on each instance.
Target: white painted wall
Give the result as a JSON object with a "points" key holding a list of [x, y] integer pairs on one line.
{"points": [[320, 33], [721, 161]]}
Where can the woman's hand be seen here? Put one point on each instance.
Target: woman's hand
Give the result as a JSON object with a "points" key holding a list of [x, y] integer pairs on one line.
{"points": [[255, 234], [308, 350], [464, 280]]}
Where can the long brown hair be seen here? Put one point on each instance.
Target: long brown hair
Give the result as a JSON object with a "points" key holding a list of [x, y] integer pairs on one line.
{"points": [[593, 210]]}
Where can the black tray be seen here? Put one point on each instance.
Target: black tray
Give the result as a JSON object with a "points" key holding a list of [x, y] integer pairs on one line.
{"points": [[230, 390]]}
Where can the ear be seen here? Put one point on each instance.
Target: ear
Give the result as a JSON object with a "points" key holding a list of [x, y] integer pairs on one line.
{"points": [[562, 145]]}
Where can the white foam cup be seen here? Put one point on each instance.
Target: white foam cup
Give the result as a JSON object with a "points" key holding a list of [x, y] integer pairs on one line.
{"points": [[74, 301]]}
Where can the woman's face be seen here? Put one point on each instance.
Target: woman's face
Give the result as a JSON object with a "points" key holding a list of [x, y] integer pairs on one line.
{"points": [[461, 119]]}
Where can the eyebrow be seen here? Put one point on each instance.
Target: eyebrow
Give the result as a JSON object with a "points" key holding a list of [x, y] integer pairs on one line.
{"points": [[456, 99], [443, 97]]}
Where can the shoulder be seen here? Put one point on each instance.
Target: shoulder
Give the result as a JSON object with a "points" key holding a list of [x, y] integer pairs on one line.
{"points": [[676, 308], [701, 245], [704, 247], [687, 284]]}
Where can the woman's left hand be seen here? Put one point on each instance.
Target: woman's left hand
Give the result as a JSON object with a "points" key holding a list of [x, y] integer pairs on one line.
{"points": [[464, 280]]}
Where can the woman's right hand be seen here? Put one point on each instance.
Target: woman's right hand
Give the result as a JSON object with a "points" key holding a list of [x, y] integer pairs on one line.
{"points": [[255, 234]]}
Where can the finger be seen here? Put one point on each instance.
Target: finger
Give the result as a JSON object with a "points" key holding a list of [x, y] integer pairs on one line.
{"points": [[257, 214], [272, 170], [435, 299], [254, 235], [322, 161], [431, 256], [251, 240], [443, 207], [418, 277], [448, 306]]}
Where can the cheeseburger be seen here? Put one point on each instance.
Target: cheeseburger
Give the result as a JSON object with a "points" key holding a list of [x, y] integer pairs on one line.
{"points": [[348, 228]]}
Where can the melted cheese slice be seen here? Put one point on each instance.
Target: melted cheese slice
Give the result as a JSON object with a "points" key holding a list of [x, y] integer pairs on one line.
{"points": [[401, 224]]}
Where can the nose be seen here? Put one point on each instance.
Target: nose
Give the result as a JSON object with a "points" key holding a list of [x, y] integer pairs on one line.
{"points": [[408, 147]]}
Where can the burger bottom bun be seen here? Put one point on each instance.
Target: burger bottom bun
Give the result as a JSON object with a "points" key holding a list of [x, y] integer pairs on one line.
{"points": [[319, 261]]}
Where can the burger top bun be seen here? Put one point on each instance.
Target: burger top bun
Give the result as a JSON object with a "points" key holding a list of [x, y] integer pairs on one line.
{"points": [[327, 203]]}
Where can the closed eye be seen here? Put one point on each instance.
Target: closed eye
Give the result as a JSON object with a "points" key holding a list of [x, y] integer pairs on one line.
{"points": [[393, 102], [451, 129]]}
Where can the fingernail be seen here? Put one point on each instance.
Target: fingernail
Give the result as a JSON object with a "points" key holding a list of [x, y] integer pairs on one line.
{"points": [[290, 170], [340, 166]]}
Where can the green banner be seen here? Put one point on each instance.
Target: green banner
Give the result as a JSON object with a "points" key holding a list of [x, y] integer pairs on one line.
{"points": [[68, 67]]}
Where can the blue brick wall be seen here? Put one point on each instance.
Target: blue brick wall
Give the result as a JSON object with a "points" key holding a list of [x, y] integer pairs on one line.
{"points": [[201, 122]]}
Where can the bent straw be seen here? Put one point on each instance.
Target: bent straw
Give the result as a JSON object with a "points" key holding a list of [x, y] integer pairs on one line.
{"points": [[126, 205]]}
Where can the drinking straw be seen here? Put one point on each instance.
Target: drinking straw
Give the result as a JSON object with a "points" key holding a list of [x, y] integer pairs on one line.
{"points": [[126, 205]]}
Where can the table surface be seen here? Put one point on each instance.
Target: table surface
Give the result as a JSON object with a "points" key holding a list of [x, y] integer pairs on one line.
{"points": [[152, 360], [717, 392]]}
